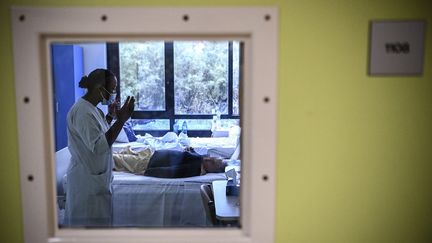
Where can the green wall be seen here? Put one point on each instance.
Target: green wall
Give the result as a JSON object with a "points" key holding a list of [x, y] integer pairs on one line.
{"points": [[354, 152]]}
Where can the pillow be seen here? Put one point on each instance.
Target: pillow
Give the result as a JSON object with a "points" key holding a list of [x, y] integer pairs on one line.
{"points": [[129, 132], [234, 131], [122, 137], [170, 137], [184, 139], [236, 153]]}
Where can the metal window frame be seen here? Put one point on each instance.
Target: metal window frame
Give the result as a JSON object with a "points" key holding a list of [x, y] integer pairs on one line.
{"points": [[113, 63]]}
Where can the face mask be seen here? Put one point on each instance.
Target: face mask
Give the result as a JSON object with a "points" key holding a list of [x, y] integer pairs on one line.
{"points": [[110, 100]]}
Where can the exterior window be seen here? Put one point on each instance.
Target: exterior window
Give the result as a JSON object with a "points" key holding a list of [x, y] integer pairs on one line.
{"points": [[177, 82]]}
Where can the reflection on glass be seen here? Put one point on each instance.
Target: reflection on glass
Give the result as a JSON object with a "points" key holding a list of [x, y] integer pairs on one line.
{"points": [[178, 86]]}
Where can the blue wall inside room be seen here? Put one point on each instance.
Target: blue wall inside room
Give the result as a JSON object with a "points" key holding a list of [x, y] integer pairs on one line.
{"points": [[67, 64]]}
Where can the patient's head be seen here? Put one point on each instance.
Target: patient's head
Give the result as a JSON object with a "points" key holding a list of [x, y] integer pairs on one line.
{"points": [[213, 165]]}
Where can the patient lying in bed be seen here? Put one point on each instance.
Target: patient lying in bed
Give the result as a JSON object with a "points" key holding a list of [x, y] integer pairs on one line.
{"points": [[166, 163]]}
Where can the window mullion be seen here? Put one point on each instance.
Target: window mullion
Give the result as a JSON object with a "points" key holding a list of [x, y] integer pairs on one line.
{"points": [[230, 78], [113, 63], [169, 82]]}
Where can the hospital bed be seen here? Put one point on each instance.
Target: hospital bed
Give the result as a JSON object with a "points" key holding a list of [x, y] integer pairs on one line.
{"points": [[142, 201]]}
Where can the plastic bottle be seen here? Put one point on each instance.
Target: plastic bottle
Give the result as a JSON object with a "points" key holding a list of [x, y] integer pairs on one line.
{"points": [[184, 128], [218, 120], [214, 128], [176, 128]]}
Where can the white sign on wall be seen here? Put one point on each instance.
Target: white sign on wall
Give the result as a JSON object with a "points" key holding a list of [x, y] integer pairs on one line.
{"points": [[396, 47]]}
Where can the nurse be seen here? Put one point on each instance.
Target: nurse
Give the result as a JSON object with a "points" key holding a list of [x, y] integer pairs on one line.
{"points": [[90, 136]]}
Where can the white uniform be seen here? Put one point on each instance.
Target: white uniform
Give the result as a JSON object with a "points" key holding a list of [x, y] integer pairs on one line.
{"points": [[89, 176]]}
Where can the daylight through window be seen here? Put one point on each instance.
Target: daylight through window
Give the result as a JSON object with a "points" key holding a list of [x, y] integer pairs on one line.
{"points": [[192, 82]]}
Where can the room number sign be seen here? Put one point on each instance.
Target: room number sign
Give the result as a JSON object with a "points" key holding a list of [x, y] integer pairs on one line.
{"points": [[396, 47]]}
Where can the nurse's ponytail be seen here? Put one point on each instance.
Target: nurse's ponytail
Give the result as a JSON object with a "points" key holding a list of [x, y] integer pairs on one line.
{"points": [[84, 82], [96, 78]]}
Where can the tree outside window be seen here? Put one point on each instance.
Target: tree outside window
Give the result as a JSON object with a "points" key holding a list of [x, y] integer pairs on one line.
{"points": [[180, 80]]}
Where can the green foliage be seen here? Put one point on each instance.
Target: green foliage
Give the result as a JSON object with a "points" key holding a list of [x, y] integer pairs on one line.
{"points": [[142, 73], [200, 76]]}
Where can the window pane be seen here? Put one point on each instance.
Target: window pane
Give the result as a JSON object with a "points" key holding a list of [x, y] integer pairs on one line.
{"points": [[206, 124], [142, 74], [194, 124], [236, 77], [227, 123], [150, 124], [201, 77]]}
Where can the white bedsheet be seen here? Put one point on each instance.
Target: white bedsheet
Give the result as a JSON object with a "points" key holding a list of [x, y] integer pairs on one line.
{"points": [[124, 178], [218, 147], [141, 201]]}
